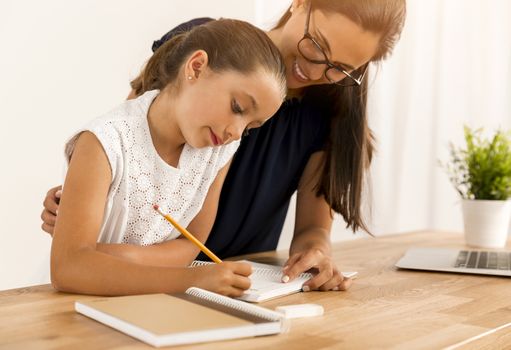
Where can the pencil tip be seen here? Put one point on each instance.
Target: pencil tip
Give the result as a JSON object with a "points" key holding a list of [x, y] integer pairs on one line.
{"points": [[156, 206]]}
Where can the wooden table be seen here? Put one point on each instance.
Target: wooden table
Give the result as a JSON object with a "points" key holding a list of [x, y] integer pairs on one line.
{"points": [[385, 308]]}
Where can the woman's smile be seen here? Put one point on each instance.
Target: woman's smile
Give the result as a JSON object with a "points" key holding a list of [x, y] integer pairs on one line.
{"points": [[298, 73]]}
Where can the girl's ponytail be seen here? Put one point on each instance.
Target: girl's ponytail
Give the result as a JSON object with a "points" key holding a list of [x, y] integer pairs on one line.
{"points": [[155, 75]]}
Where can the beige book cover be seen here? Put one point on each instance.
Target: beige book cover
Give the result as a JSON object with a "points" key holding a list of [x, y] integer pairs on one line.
{"points": [[198, 316]]}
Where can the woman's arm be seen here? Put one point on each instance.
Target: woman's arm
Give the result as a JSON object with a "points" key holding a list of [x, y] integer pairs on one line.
{"points": [[180, 251], [76, 264], [311, 247]]}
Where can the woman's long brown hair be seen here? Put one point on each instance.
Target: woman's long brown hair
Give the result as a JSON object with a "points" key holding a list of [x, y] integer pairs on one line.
{"points": [[350, 145]]}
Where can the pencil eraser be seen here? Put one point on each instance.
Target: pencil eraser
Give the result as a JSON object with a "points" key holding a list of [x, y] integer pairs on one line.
{"points": [[300, 310]]}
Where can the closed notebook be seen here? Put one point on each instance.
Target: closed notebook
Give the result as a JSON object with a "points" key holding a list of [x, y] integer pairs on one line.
{"points": [[267, 282], [193, 317]]}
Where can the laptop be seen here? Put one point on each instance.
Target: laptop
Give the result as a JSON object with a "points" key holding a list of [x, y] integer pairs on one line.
{"points": [[481, 262]]}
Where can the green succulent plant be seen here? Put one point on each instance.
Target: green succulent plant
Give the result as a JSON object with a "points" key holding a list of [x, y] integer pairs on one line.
{"points": [[482, 170]]}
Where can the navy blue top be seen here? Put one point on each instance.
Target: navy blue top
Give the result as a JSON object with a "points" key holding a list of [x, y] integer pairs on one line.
{"points": [[263, 176]]}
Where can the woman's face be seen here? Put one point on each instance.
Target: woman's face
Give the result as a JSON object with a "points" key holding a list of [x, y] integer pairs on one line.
{"points": [[345, 43]]}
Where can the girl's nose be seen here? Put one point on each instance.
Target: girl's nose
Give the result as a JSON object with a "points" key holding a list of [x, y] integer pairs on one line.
{"points": [[234, 131]]}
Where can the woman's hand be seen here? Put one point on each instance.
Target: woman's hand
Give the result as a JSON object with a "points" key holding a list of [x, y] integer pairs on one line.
{"points": [[51, 206], [310, 247], [328, 277], [227, 278]]}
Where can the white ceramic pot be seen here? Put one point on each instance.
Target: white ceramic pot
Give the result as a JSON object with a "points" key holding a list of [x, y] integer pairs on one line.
{"points": [[486, 222]]}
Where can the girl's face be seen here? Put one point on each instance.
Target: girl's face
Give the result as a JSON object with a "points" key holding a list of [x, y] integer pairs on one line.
{"points": [[216, 108], [345, 43]]}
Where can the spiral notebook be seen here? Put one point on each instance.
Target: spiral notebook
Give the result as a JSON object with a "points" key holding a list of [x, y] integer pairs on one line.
{"points": [[193, 317], [267, 282]]}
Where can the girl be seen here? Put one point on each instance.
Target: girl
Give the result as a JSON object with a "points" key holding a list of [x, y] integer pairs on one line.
{"points": [[320, 144], [172, 145]]}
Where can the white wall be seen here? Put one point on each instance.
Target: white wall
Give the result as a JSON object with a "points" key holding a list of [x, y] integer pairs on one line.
{"points": [[61, 64], [64, 62], [451, 67]]}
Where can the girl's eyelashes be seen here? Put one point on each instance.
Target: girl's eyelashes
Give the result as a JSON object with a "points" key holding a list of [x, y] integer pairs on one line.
{"points": [[236, 107]]}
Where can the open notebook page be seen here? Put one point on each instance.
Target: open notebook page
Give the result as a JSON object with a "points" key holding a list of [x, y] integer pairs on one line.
{"points": [[267, 282]]}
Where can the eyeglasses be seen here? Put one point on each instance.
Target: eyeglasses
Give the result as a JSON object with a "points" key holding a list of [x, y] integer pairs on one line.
{"points": [[312, 51]]}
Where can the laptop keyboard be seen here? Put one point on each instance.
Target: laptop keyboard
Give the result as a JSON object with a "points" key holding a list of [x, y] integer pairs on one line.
{"points": [[475, 259]]}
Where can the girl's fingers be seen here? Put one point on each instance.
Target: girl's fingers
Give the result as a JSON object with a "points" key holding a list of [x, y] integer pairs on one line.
{"points": [[241, 268], [241, 282], [234, 292]]}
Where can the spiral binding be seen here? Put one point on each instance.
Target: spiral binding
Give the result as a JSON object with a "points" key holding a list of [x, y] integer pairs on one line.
{"points": [[260, 271], [234, 304]]}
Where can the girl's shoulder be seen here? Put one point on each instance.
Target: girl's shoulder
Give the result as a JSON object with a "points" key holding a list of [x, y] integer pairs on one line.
{"points": [[125, 117], [137, 107], [127, 121]]}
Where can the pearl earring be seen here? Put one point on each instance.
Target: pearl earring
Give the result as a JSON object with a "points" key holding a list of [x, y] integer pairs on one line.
{"points": [[190, 77]]}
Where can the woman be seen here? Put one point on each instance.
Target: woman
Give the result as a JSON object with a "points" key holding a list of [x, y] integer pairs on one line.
{"points": [[319, 144]]}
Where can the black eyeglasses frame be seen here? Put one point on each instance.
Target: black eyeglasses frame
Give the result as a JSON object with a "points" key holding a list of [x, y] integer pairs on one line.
{"points": [[329, 65]]}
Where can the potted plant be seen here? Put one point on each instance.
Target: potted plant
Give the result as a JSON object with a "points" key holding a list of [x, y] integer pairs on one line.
{"points": [[481, 173]]}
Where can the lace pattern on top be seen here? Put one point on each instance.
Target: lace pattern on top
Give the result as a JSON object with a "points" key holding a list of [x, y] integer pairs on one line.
{"points": [[141, 178]]}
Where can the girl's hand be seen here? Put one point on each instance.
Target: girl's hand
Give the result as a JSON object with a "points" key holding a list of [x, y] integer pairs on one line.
{"points": [[227, 278], [328, 276], [51, 206]]}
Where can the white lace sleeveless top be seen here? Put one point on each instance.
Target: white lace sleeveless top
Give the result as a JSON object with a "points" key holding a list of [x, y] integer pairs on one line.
{"points": [[140, 178]]}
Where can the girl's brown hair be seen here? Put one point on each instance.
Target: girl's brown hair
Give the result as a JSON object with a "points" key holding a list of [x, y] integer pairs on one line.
{"points": [[230, 45], [350, 146]]}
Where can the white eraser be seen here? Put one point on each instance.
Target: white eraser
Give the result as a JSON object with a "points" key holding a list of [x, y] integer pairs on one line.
{"points": [[300, 310]]}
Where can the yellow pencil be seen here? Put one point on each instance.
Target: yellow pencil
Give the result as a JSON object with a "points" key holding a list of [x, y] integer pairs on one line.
{"points": [[188, 235]]}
